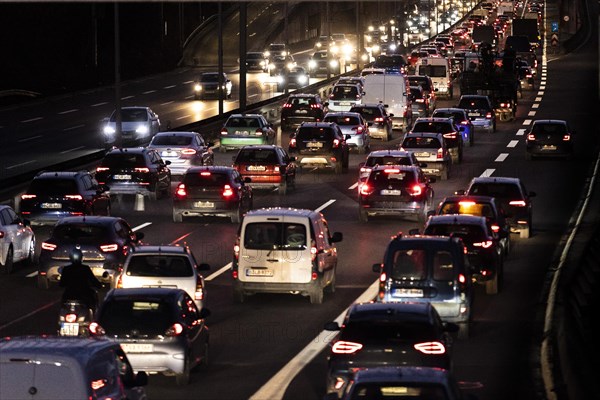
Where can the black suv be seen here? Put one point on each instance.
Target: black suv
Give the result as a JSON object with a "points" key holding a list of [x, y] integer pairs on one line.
{"points": [[513, 197], [104, 242], [135, 170], [320, 145], [302, 107], [380, 122], [395, 190], [446, 127], [212, 190], [54, 195], [380, 334]]}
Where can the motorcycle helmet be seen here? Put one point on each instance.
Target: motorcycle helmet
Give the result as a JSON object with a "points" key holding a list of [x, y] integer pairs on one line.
{"points": [[76, 256]]}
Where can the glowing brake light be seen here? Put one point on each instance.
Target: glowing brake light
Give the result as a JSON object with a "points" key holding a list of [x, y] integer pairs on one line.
{"points": [[566, 137], [28, 196], [287, 105], [188, 152], [293, 142], [343, 347], [181, 192], [466, 204], [98, 384], [495, 228], [531, 136], [313, 250], [48, 246], [227, 191], [73, 197], [71, 318], [440, 153], [102, 169], [486, 245], [391, 171], [517, 203], [488, 115], [258, 132], [174, 330], [224, 131], [336, 143], [462, 278], [382, 277], [365, 189], [430, 348], [199, 293], [109, 248], [142, 170], [417, 190], [379, 119], [451, 135], [96, 329]]}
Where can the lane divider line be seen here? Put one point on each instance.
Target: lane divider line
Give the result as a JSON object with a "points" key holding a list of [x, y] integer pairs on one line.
{"points": [[217, 273], [512, 143], [324, 206], [501, 157], [142, 226], [531, 113], [29, 138], [32, 119], [487, 173], [22, 317], [527, 122], [127, 97], [521, 132], [74, 127], [73, 149], [99, 104], [31, 275], [535, 105], [353, 186], [541, 93], [68, 111]]}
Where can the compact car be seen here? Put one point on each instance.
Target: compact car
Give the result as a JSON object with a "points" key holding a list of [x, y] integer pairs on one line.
{"points": [[378, 119], [138, 126], [432, 149], [353, 125], [549, 137], [244, 129], [267, 166], [207, 86], [182, 150], [17, 240]]}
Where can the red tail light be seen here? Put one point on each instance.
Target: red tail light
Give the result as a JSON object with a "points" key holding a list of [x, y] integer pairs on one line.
{"points": [[430, 348], [48, 246], [495, 228], [451, 135], [315, 106], [517, 203], [119, 284], [440, 153], [96, 329], [365, 169], [1, 234], [358, 129], [391, 171], [199, 293], [71, 318], [109, 248], [379, 119], [416, 190], [227, 191], [531, 136], [28, 196], [73, 197], [224, 131], [143, 170], [181, 192], [293, 142], [365, 189], [287, 105], [313, 250], [382, 277], [174, 330], [258, 132], [466, 204], [188, 152], [343, 347], [488, 115], [566, 137], [462, 279], [529, 76], [420, 100], [236, 249], [336, 143], [102, 169], [486, 245]]}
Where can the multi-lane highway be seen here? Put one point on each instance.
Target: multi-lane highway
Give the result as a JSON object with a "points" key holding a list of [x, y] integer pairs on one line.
{"points": [[257, 347]]}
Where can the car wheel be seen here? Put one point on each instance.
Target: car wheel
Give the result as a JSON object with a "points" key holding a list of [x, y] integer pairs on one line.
{"points": [[31, 253], [177, 217], [444, 175], [238, 296], [362, 215], [316, 295], [283, 188], [222, 149], [8, 264], [494, 127], [491, 286], [42, 282], [236, 216], [155, 194], [184, 378], [422, 216], [463, 330], [339, 167]]}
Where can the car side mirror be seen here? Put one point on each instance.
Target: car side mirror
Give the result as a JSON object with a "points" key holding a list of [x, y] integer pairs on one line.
{"points": [[168, 162], [204, 313], [337, 237], [377, 267], [414, 232], [139, 236], [460, 192], [331, 326], [347, 137], [204, 267]]}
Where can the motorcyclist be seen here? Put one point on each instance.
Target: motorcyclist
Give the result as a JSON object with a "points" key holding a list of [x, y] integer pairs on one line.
{"points": [[79, 281]]}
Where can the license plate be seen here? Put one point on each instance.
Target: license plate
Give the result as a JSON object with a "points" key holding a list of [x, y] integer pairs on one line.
{"points": [[548, 147], [137, 347], [258, 272], [389, 192], [314, 145], [69, 329], [169, 153], [53, 206], [345, 103], [402, 292], [204, 204], [245, 133], [421, 154], [122, 177], [473, 114], [301, 111], [256, 168]]}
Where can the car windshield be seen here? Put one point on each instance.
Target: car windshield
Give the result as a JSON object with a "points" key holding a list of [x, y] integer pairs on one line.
{"points": [[242, 122], [473, 103], [391, 178], [209, 78], [146, 317], [398, 391], [53, 187], [432, 126], [274, 235], [265, 156], [342, 120], [301, 102], [131, 115], [314, 133], [421, 142], [549, 129], [344, 92], [468, 233], [81, 233], [124, 160], [205, 178], [369, 113], [498, 190], [168, 266], [171, 140], [387, 160], [433, 71], [254, 56]]}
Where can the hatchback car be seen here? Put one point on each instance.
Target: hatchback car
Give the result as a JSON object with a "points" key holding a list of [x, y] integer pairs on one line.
{"points": [[17, 240], [212, 191], [320, 145], [448, 129], [135, 170], [550, 137], [183, 150], [55, 195], [301, 107], [483, 245], [480, 111], [104, 242], [165, 266], [430, 148], [161, 330], [138, 126], [379, 334], [427, 84], [353, 125], [461, 121], [266, 166], [378, 119], [516, 201], [419, 98], [243, 129], [207, 86], [293, 77], [386, 157], [344, 96], [428, 269], [395, 190]]}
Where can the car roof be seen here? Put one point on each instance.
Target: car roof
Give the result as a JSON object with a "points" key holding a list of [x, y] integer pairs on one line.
{"points": [[367, 105], [549, 121], [414, 312], [398, 153], [474, 96], [280, 211], [457, 219], [413, 168], [423, 134], [495, 179], [476, 199], [306, 95], [401, 374], [132, 150], [144, 292], [88, 219], [211, 168], [171, 249], [318, 124], [261, 147], [434, 119], [245, 115], [343, 113], [450, 109], [176, 133], [57, 174]]}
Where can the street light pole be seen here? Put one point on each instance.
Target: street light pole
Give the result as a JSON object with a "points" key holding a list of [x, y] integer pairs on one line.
{"points": [[118, 122]]}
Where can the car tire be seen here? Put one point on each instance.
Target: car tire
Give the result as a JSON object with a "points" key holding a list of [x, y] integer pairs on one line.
{"points": [[7, 267], [491, 286], [363, 216], [494, 127], [316, 295], [236, 216], [331, 287], [177, 217], [206, 355], [463, 330], [184, 378], [238, 296], [30, 260], [422, 216], [42, 282], [283, 188], [155, 194]]}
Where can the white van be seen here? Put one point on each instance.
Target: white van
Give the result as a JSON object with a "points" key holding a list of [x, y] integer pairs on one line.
{"points": [[392, 90], [284, 250], [438, 69], [66, 368]]}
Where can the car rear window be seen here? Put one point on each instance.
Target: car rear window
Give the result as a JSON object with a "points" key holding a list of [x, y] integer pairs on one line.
{"points": [[124, 160], [467, 232], [436, 127], [206, 178], [209, 78], [394, 391], [443, 267], [267, 156], [456, 115], [131, 115], [473, 103], [171, 140], [422, 143], [424, 83], [83, 233], [387, 160], [301, 101], [242, 122], [410, 265], [53, 187], [344, 92], [274, 235], [342, 120], [381, 331], [549, 129], [391, 178], [314, 133], [433, 71], [147, 317], [168, 266], [498, 190], [369, 113]]}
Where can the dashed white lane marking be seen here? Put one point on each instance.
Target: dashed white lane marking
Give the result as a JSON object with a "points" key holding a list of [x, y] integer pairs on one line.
{"points": [[520, 132], [68, 111], [145, 224], [488, 172], [217, 273], [324, 206], [21, 318], [29, 138], [531, 113], [353, 186], [167, 103], [501, 157], [99, 104], [539, 98], [31, 275], [527, 122], [74, 127], [21, 164], [512, 143], [149, 92], [542, 87], [169, 87], [187, 82], [73, 149], [32, 119], [535, 105], [127, 97], [541, 93], [183, 117]]}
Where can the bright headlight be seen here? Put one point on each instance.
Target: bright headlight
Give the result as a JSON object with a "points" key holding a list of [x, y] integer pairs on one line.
{"points": [[284, 53], [267, 53], [312, 64], [319, 44], [347, 49], [280, 79], [271, 66], [143, 129], [290, 65], [335, 49], [364, 57], [109, 130], [333, 63], [393, 47], [302, 79], [197, 87], [376, 48]]}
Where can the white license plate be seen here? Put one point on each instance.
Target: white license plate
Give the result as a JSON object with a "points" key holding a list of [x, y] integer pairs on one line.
{"points": [[256, 168], [53, 206], [169, 153], [314, 145], [421, 154], [302, 112], [122, 177], [258, 272], [390, 192], [408, 292], [245, 133], [345, 103], [473, 114], [69, 329], [548, 147], [204, 204], [137, 347]]}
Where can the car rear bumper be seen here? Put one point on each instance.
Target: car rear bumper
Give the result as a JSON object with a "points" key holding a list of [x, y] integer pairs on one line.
{"points": [[393, 208], [303, 289], [237, 142], [434, 168], [50, 270], [129, 188], [549, 150], [316, 161], [167, 362], [49, 217]]}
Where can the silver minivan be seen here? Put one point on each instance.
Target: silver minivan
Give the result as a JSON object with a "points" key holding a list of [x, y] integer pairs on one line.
{"points": [[284, 250]]}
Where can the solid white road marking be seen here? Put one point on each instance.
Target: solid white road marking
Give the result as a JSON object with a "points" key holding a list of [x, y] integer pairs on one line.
{"points": [[183, 117], [127, 97], [73, 149], [535, 105], [74, 127], [531, 113], [353, 186], [488, 172], [168, 102], [501, 157], [32, 119], [520, 132], [145, 224], [29, 138], [99, 104], [20, 165], [527, 122], [512, 143], [217, 273], [21, 318], [327, 204], [68, 111]]}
